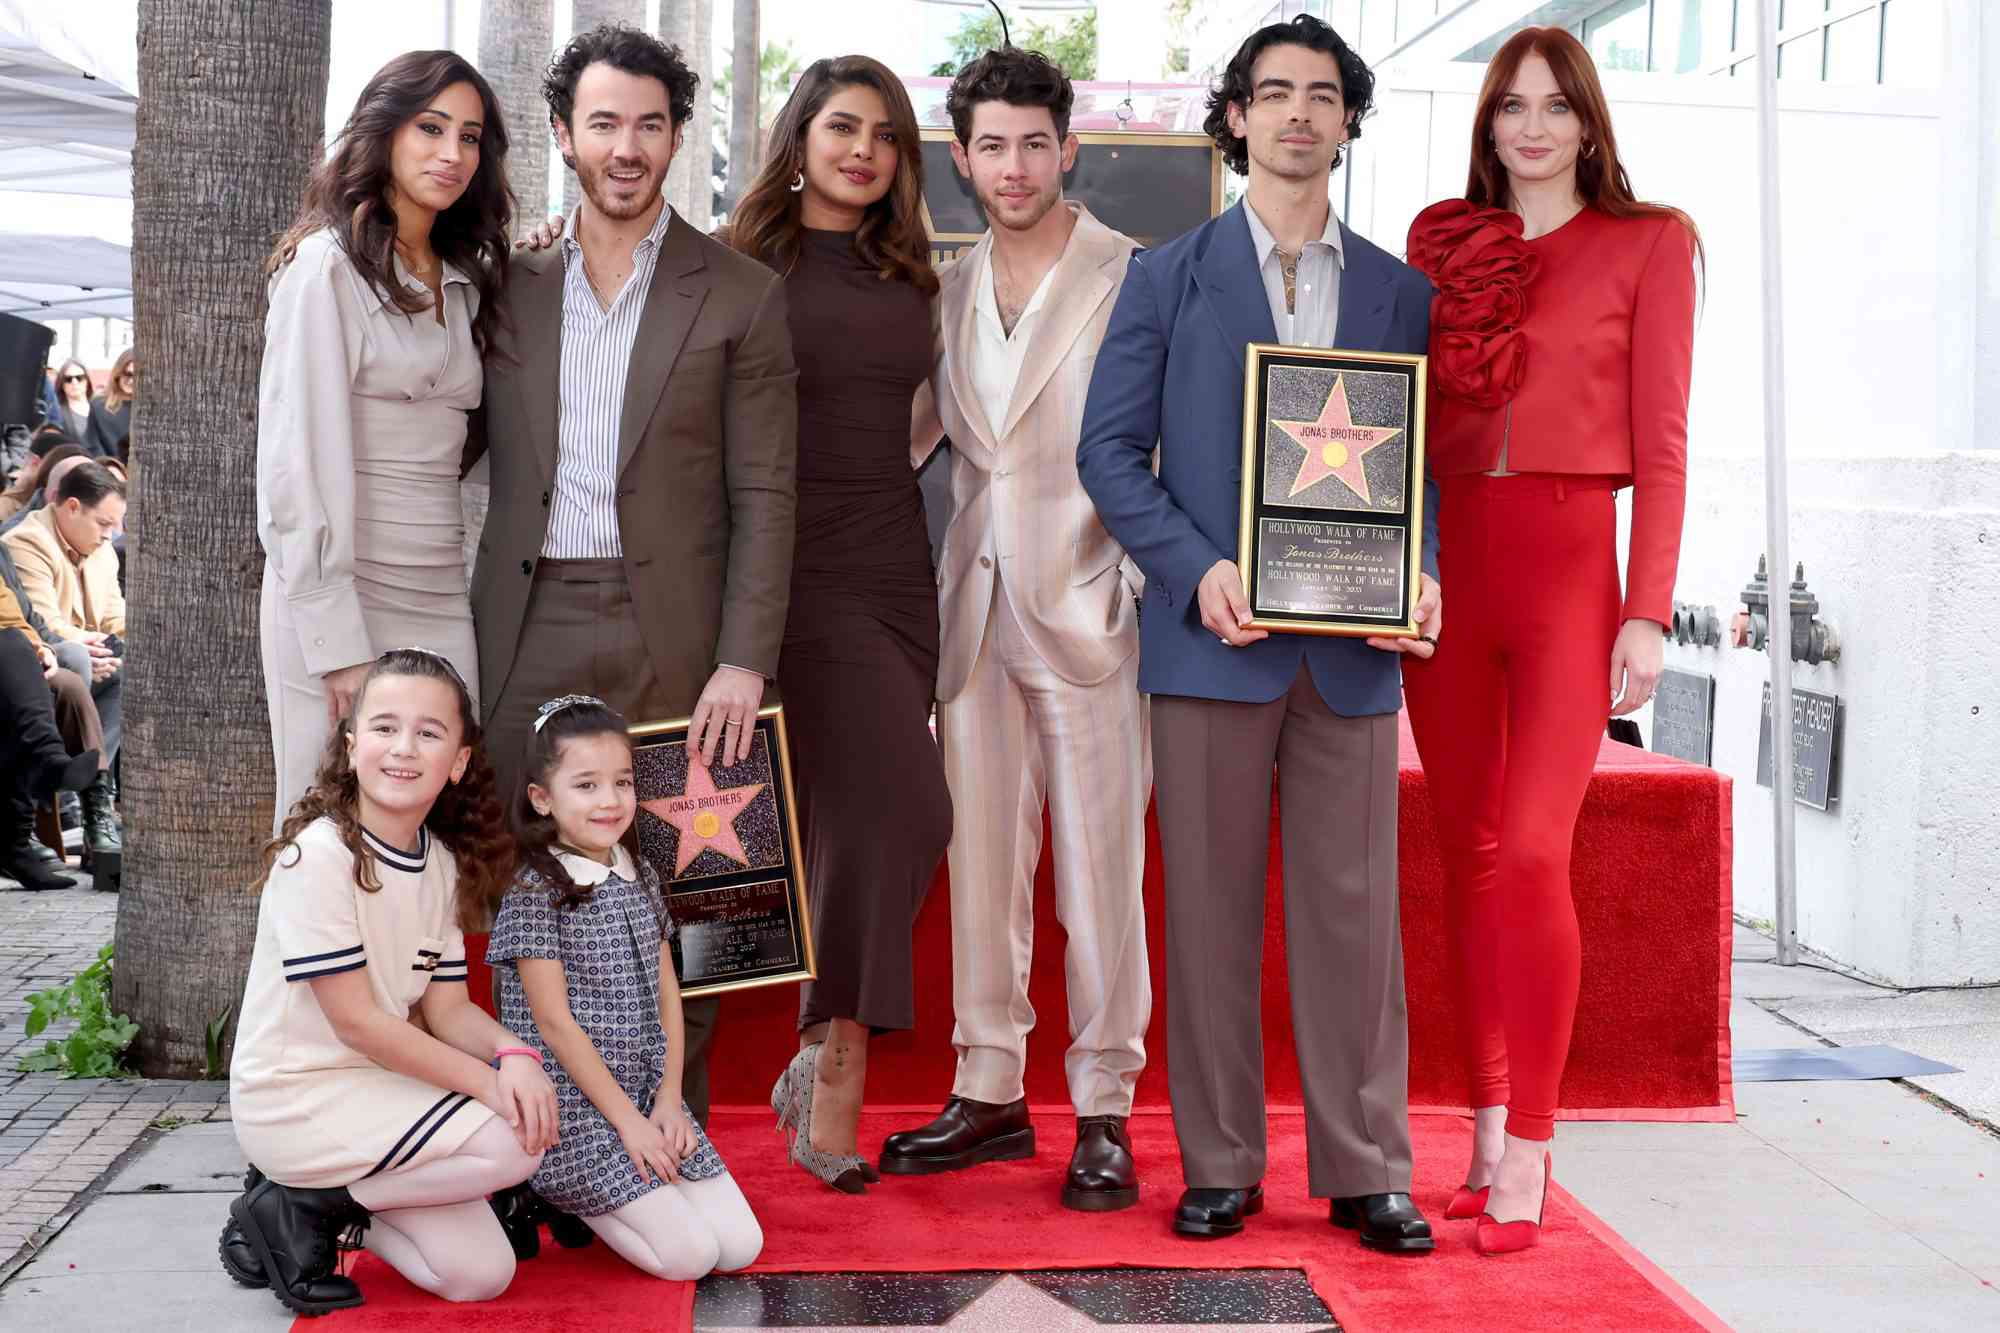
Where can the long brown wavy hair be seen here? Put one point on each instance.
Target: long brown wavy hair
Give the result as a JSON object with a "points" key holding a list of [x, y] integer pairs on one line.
{"points": [[466, 817], [114, 392], [766, 224], [536, 834], [348, 194], [1600, 177]]}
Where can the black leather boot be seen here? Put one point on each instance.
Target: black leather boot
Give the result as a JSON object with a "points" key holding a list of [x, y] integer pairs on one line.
{"points": [[103, 838], [292, 1232], [239, 1260], [1102, 1176], [520, 1212], [38, 869]]}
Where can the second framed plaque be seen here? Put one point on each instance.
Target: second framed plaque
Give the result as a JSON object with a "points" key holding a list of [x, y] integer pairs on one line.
{"points": [[725, 841], [1331, 538]]}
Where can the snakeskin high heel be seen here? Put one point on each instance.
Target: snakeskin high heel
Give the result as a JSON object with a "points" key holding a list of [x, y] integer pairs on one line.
{"points": [[791, 1099]]}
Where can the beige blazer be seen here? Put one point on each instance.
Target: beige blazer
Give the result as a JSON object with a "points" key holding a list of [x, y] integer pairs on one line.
{"points": [[56, 586], [1017, 506]]}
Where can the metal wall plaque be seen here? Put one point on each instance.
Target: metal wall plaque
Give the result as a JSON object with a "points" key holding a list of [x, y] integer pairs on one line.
{"points": [[1816, 725], [1684, 715], [1331, 531], [725, 841]]}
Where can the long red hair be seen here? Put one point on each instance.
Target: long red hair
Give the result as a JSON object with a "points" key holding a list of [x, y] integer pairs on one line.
{"points": [[1600, 178]]}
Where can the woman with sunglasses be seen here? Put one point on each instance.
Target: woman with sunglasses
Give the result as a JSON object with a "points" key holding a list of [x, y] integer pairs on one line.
{"points": [[72, 410]]}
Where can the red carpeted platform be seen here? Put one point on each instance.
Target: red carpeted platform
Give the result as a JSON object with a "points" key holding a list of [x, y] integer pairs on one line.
{"points": [[1007, 1217], [1652, 884]]}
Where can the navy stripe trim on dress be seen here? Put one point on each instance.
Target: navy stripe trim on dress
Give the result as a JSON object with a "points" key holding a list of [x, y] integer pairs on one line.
{"points": [[395, 857], [321, 957], [411, 1132], [418, 1146], [310, 973]]}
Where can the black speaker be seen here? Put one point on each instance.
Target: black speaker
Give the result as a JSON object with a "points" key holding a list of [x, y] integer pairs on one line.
{"points": [[24, 354]]}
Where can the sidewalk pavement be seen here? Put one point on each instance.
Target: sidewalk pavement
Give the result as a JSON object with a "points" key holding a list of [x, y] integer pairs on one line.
{"points": [[1826, 1205]]}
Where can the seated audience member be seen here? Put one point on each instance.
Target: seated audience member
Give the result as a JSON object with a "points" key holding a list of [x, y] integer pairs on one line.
{"points": [[48, 449], [68, 571], [72, 407], [110, 434], [34, 756], [89, 688]]}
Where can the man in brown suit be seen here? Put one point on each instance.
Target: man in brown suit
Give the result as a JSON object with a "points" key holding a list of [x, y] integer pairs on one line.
{"points": [[640, 417]]}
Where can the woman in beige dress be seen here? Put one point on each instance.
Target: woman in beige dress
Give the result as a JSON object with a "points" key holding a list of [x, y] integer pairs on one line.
{"points": [[381, 300]]}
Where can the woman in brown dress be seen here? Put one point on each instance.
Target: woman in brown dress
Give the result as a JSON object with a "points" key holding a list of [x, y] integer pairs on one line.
{"points": [[837, 210]]}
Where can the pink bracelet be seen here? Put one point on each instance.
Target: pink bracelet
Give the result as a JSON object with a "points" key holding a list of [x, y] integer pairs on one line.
{"points": [[534, 1055]]}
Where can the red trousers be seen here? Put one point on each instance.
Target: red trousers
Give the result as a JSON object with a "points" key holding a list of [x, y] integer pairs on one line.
{"points": [[1508, 717]]}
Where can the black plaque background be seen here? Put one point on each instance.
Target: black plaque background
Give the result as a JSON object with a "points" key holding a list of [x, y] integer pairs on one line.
{"points": [[1152, 187], [1684, 715], [780, 963], [1817, 721], [1256, 484]]}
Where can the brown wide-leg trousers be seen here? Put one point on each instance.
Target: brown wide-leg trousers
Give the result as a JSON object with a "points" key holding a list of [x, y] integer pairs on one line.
{"points": [[581, 636], [1343, 941]]}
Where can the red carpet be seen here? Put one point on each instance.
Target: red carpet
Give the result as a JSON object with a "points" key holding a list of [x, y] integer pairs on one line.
{"points": [[1653, 895], [1007, 1217]]}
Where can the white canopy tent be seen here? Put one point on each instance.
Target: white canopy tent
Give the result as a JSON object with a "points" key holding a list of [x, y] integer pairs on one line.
{"points": [[69, 97], [64, 277]]}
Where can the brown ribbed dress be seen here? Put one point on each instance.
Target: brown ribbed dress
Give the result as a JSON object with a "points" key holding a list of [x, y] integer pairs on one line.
{"points": [[859, 667]]}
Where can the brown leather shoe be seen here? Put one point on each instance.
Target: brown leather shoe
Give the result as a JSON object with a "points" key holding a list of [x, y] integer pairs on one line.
{"points": [[964, 1134], [1102, 1176]]}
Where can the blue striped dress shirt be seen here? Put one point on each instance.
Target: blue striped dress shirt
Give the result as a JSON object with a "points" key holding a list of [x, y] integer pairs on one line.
{"points": [[596, 354]]}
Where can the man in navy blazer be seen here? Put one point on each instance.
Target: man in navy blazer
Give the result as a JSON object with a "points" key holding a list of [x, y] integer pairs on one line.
{"points": [[1230, 701]]}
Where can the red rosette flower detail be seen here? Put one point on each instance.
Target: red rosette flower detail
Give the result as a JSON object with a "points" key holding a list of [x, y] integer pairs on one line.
{"points": [[1481, 267]]}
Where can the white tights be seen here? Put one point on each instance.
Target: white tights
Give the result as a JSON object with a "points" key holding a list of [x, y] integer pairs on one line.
{"points": [[432, 1223], [685, 1230]]}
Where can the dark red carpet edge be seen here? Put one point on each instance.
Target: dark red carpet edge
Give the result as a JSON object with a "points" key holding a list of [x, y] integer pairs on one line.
{"points": [[1007, 1217]]}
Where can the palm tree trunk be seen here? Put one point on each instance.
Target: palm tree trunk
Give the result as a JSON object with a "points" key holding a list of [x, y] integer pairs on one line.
{"points": [[700, 144], [585, 15], [231, 98], [515, 39], [746, 136]]}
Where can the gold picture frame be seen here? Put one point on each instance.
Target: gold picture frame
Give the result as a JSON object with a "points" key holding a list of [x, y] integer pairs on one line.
{"points": [[725, 842], [1330, 538]]}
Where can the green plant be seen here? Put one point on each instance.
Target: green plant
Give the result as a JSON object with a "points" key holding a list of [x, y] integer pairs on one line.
{"points": [[216, 1027], [93, 1050], [1072, 45]]}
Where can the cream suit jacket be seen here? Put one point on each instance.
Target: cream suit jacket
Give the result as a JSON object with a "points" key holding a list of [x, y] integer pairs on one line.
{"points": [[1018, 510]]}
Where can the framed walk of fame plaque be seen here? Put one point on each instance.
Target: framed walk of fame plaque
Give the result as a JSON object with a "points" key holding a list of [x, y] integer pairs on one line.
{"points": [[725, 841], [1331, 538]]}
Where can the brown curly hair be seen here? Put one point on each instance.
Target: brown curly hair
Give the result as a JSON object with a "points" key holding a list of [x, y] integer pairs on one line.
{"points": [[466, 817]]}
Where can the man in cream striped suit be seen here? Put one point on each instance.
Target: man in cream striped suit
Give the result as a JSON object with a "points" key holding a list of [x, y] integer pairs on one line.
{"points": [[1038, 677]]}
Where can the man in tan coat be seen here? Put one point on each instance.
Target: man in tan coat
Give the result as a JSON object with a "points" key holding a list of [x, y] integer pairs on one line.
{"points": [[1038, 675], [68, 572]]}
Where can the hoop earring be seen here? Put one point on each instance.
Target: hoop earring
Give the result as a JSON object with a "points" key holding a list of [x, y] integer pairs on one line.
{"points": [[798, 182]]}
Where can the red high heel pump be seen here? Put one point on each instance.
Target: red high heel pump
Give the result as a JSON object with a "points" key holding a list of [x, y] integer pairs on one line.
{"points": [[1508, 1237], [1466, 1203]]}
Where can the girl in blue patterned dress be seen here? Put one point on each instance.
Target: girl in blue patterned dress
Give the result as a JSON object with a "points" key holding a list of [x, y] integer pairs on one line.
{"points": [[581, 949]]}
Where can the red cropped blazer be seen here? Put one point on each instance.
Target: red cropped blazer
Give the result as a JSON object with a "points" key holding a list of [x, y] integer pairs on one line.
{"points": [[1574, 352]]}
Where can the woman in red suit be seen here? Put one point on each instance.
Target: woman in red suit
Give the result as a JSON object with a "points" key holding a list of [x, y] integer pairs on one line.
{"points": [[1561, 337]]}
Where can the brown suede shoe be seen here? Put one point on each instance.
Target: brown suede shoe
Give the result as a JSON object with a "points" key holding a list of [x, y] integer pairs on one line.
{"points": [[1102, 1176], [964, 1134]]}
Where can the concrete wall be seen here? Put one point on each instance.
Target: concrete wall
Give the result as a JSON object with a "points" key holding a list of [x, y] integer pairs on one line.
{"points": [[1899, 528]]}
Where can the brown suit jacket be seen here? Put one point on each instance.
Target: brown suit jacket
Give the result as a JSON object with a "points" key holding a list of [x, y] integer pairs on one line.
{"points": [[1016, 499], [707, 457]]}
